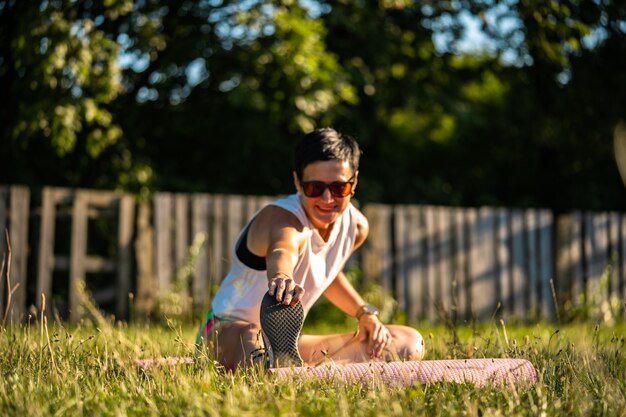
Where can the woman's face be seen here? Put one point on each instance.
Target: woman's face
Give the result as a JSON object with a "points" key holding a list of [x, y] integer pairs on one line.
{"points": [[324, 210]]}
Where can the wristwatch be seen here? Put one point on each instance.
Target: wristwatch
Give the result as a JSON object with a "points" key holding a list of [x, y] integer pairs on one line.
{"points": [[366, 309]]}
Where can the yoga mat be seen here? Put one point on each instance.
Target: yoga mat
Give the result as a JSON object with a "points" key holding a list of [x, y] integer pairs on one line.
{"points": [[493, 372], [496, 372], [168, 361]]}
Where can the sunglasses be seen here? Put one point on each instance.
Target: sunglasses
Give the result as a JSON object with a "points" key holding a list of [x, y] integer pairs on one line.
{"points": [[339, 189]]}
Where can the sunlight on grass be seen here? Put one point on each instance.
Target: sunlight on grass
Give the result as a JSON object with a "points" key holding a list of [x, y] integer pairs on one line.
{"points": [[89, 370]]}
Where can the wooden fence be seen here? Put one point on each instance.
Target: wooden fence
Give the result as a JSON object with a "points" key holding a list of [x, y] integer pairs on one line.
{"points": [[439, 262], [443, 262]]}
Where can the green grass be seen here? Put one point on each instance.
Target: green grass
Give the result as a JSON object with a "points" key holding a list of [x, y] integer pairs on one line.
{"points": [[54, 370]]}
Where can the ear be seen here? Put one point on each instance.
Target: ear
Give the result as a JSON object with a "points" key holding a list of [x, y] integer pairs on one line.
{"points": [[356, 181]]}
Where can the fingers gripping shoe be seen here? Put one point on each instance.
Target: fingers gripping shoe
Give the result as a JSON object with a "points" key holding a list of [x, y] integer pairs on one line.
{"points": [[280, 326]]}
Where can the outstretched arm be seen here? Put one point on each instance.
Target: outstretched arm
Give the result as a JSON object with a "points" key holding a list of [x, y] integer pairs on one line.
{"points": [[277, 235]]}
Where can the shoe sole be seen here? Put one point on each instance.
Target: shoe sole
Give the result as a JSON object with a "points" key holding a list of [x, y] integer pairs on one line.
{"points": [[281, 326]]}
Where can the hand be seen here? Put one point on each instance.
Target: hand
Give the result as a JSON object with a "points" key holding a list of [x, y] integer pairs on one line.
{"points": [[285, 289], [377, 336]]}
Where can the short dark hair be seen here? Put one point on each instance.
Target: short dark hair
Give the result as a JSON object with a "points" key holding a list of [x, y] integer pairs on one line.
{"points": [[326, 144]]}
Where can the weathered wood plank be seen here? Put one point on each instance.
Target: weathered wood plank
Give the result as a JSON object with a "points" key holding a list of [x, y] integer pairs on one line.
{"points": [[78, 251], [577, 251], [504, 283], [519, 274], [445, 260], [18, 229], [218, 263], [596, 252], [4, 198], [483, 289], [402, 254], [45, 264], [532, 300], [163, 238], [181, 248], [622, 230], [613, 254], [126, 220], [181, 230], [430, 292], [200, 206], [416, 267], [386, 273], [144, 257], [546, 263], [564, 262], [235, 222], [460, 272], [377, 255]]}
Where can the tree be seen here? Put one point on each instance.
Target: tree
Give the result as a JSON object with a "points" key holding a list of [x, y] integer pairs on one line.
{"points": [[59, 74]]}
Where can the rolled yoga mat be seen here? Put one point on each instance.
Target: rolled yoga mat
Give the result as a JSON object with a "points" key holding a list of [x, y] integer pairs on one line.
{"points": [[496, 373]]}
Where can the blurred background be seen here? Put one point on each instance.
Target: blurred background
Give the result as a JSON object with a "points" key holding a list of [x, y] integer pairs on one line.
{"points": [[457, 102]]}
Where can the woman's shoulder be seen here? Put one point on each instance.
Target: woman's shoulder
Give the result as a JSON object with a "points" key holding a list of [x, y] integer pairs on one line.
{"points": [[275, 217]]}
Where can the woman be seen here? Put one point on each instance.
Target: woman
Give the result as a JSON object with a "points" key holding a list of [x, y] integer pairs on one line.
{"points": [[294, 250]]}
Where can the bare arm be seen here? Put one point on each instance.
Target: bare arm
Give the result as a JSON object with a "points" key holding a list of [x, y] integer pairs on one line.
{"points": [[277, 235], [343, 295]]}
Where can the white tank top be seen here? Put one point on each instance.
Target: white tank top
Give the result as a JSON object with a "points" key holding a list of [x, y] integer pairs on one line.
{"points": [[239, 296]]}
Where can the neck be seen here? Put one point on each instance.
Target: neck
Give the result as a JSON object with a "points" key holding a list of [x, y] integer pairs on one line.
{"points": [[325, 231]]}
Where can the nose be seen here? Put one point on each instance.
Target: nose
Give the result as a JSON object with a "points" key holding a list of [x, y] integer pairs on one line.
{"points": [[327, 195]]}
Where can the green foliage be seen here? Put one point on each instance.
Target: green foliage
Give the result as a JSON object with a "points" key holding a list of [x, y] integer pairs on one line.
{"points": [[65, 73], [172, 95]]}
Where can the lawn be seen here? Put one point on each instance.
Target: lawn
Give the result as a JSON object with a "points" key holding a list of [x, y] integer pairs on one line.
{"points": [[55, 370]]}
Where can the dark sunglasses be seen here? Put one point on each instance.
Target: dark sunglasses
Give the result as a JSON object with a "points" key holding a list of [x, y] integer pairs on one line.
{"points": [[338, 189]]}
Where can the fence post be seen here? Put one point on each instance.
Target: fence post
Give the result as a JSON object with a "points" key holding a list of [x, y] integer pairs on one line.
{"points": [[4, 196], [144, 255], [546, 263], [532, 281], [217, 238], [18, 234], [596, 253], [445, 259], [622, 263], [78, 251], [431, 280], [182, 244], [163, 240], [460, 267], [45, 266], [402, 254], [377, 254], [200, 205], [126, 219], [564, 262]]}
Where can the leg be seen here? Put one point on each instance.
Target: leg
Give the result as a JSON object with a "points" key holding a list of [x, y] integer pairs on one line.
{"points": [[231, 343], [407, 344]]}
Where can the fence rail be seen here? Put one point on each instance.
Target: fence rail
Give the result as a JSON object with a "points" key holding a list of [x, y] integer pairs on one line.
{"points": [[439, 262]]}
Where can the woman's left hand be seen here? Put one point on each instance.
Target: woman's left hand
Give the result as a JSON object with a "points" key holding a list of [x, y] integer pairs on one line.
{"points": [[375, 334]]}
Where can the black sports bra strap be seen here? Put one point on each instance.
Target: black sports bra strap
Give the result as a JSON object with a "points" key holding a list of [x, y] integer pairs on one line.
{"points": [[248, 258]]}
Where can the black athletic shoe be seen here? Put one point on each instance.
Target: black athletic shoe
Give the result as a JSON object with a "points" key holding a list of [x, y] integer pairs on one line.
{"points": [[280, 326]]}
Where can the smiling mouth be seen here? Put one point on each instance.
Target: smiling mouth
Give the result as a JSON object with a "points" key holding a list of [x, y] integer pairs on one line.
{"points": [[326, 209]]}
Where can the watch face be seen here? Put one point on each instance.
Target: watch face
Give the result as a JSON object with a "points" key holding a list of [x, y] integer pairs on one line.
{"points": [[369, 309]]}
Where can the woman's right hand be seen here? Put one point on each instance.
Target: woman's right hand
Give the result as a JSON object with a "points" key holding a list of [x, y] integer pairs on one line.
{"points": [[285, 289]]}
